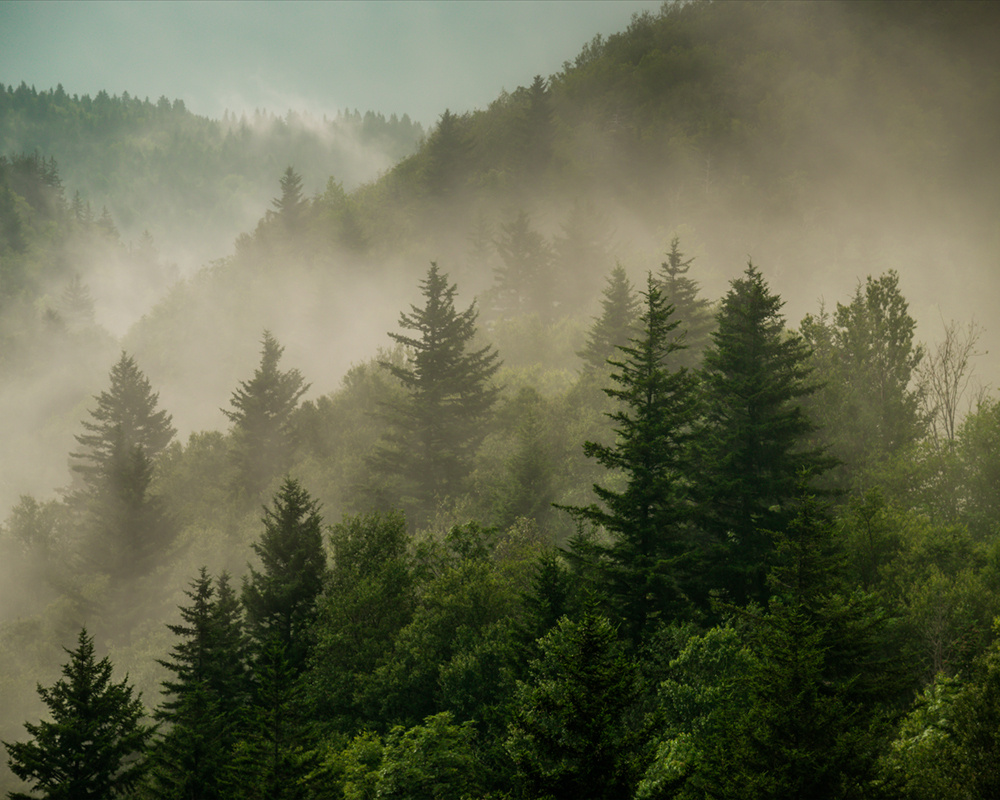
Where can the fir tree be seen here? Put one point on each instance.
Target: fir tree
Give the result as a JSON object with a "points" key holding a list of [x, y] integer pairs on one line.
{"points": [[439, 424], [692, 310], [643, 568], [261, 414], [280, 599], [204, 696], [94, 744], [753, 446], [127, 530], [617, 323]]}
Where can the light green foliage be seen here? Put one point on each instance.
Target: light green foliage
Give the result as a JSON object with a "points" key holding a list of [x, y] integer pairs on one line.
{"points": [[866, 358], [695, 704], [432, 761]]}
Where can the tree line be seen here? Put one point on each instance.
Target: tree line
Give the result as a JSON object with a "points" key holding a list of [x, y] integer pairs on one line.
{"points": [[773, 582]]}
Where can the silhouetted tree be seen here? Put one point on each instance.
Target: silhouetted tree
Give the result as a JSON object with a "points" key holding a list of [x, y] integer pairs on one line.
{"points": [[94, 744]]}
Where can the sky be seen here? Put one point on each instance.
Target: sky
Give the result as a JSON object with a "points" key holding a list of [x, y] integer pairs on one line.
{"points": [[408, 56]]}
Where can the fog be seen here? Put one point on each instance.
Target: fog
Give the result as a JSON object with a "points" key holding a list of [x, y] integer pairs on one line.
{"points": [[838, 194]]}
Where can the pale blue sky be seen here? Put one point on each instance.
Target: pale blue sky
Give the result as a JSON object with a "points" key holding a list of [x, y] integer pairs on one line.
{"points": [[395, 57]]}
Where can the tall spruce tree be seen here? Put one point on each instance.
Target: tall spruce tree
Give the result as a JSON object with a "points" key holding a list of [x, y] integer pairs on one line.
{"points": [[645, 567], [693, 311], [94, 745], [207, 689], [437, 427], [280, 599], [753, 448], [126, 530], [261, 415], [617, 323]]}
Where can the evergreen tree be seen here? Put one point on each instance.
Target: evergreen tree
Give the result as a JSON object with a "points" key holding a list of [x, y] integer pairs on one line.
{"points": [[536, 128], [573, 734], [261, 414], [524, 284], [617, 323], [290, 205], [438, 426], [127, 530], [204, 696], [280, 600], [753, 447], [446, 153], [126, 417], [692, 310], [94, 744], [643, 568]]}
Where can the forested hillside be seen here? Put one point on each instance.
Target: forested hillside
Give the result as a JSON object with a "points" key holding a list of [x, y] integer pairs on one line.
{"points": [[632, 437]]}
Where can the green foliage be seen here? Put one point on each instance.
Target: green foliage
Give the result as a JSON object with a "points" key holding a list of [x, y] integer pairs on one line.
{"points": [[280, 600], [573, 734], [450, 395], [646, 568], [866, 358], [432, 761], [93, 746], [368, 599], [261, 414], [753, 448]]}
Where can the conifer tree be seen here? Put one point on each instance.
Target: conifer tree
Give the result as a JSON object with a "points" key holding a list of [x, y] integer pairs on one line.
{"points": [[93, 747], [261, 414], [617, 323], [291, 204], [127, 530], [524, 284], [572, 734], [204, 696], [439, 424], [280, 599], [753, 448], [692, 310], [643, 568]]}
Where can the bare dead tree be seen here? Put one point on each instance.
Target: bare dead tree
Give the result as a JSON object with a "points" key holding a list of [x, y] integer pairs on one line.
{"points": [[946, 377]]}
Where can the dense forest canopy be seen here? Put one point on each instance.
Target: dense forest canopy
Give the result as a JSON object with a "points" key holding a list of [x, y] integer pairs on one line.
{"points": [[634, 436]]}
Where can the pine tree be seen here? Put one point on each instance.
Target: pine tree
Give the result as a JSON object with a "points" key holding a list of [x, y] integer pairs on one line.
{"points": [[524, 284], [643, 568], [261, 414], [94, 744], [753, 447], [573, 734], [617, 323], [127, 530], [438, 426], [291, 204], [204, 696], [280, 600], [692, 310]]}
